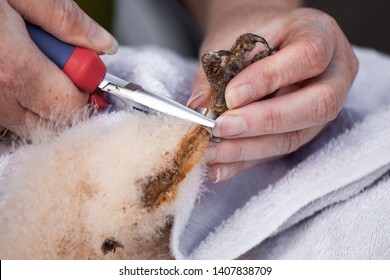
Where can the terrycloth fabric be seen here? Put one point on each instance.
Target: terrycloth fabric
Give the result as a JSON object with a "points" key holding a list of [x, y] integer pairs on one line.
{"points": [[326, 181], [330, 199]]}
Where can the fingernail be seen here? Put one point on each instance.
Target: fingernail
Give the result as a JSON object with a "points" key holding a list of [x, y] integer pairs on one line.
{"points": [[229, 126], [220, 174], [195, 96], [238, 96], [102, 39], [211, 154]]}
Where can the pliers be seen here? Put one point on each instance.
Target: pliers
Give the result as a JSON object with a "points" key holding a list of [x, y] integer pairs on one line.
{"points": [[88, 72]]}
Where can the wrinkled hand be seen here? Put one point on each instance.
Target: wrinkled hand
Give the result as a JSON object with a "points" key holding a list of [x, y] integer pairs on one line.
{"points": [[309, 76], [32, 88]]}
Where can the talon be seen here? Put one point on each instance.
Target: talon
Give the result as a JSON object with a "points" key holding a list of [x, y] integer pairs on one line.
{"points": [[213, 62], [215, 56], [247, 42]]}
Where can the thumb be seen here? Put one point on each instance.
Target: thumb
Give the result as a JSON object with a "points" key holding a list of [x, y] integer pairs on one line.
{"points": [[201, 90], [65, 20]]}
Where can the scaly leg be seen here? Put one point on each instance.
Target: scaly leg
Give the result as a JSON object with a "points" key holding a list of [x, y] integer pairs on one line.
{"points": [[221, 66]]}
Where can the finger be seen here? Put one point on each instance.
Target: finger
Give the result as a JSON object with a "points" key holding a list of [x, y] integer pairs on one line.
{"points": [[201, 90], [21, 121], [27, 124], [318, 102], [47, 89], [305, 57], [222, 172], [261, 147], [30, 79], [65, 20]]}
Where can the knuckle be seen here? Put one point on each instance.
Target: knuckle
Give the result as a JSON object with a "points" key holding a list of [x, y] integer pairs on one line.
{"points": [[329, 21], [289, 142], [326, 104], [237, 151], [269, 79], [69, 16], [10, 115], [317, 47], [13, 83], [354, 64], [10, 70], [271, 121], [7, 77], [315, 54]]}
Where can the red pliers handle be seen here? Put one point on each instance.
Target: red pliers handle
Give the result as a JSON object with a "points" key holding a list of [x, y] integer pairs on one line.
{"points": [[83, 66]]}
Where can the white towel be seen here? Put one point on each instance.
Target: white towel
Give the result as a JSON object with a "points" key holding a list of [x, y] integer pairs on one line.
{"points": [[329, 199], [347, 166], [324, 201]]}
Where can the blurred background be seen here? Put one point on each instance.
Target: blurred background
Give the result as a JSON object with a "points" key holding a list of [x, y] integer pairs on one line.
{"points": [[365, 22]]}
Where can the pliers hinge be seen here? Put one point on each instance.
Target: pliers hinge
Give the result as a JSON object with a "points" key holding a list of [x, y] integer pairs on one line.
{"points": [[211, 115]]}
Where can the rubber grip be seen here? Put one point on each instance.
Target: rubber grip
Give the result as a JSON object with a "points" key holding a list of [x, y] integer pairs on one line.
{"points": [[83, 66]]}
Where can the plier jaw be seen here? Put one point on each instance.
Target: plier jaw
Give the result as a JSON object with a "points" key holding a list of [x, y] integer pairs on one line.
{"points": [[88, 72], [127, 95]]}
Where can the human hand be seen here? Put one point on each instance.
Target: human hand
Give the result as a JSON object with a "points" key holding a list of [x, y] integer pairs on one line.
{"points": [[309, 77], [33, 89]]}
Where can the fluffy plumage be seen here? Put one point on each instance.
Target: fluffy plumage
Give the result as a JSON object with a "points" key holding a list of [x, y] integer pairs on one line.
{"points": [[69, 193], [78, 194]]}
